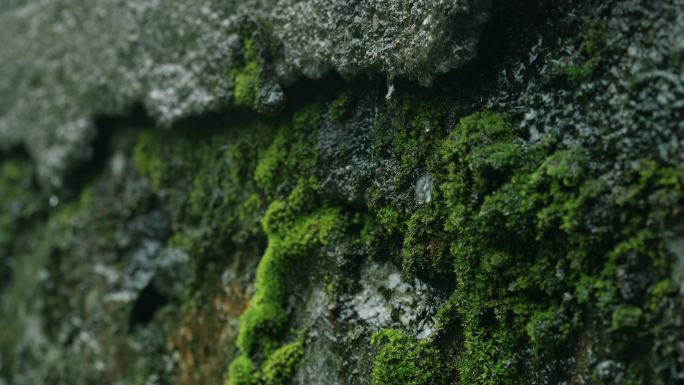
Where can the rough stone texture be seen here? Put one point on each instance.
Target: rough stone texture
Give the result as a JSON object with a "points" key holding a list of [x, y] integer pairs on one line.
{"points": [[490, 193], [63, 63]]}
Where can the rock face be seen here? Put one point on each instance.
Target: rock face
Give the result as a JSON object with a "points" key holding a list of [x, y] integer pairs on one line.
{"points": [[342, 192], [64, 63]]}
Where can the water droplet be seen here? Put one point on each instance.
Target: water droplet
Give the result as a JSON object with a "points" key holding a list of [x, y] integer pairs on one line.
{"points": [[53, 201]]}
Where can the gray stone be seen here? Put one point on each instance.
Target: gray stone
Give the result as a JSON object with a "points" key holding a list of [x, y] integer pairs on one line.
{"points": [[62, 63]]}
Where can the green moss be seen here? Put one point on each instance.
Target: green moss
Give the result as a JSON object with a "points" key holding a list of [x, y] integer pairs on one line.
{"points": [[291, 154], [593, 42], [425, 251], [20, 202], [307, 118], [147, 158], [487, 209], [246, 78], [204, 175], [280, 366], [490, 358], [500, 215], [594, 39], [266, 172], [581, 73], [248, 182], [246, 82], [403, 360], [19, 195], [533, 245], [242, 372], [659, 292], [626, 317], [295, 226], [181, 241], [291, 236], [479, 154], [339, 107], [389, 218], [408, 134], [415, 122], [548, 335], [277, 369], [534, 239]]}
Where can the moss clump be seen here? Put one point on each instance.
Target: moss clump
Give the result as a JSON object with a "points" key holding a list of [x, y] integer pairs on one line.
{"points": [[579, 74], [539, 245], [425, 250], [548, 330], [205, 176], [242, 372], [531, 236], [493, 277], [228, 189], [279, 368], [389, 218], [291, 153], [292, 233], [478, 156], [255, 85], [20, 202], [291, 236], [294, 226], [626, 317], [246, 78], [338, 108], [407, 135], [403, 360], [593, 42], [415, 122], [147, 158]]}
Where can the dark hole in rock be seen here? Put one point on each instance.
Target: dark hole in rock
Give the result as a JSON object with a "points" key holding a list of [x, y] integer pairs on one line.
{"points": [[146, 305]]}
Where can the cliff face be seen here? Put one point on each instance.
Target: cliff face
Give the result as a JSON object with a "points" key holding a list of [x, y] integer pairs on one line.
{"points": [[331, 192]]}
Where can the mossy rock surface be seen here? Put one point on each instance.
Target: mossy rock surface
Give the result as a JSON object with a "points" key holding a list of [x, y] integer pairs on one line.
{"points": [[280, 193]]}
